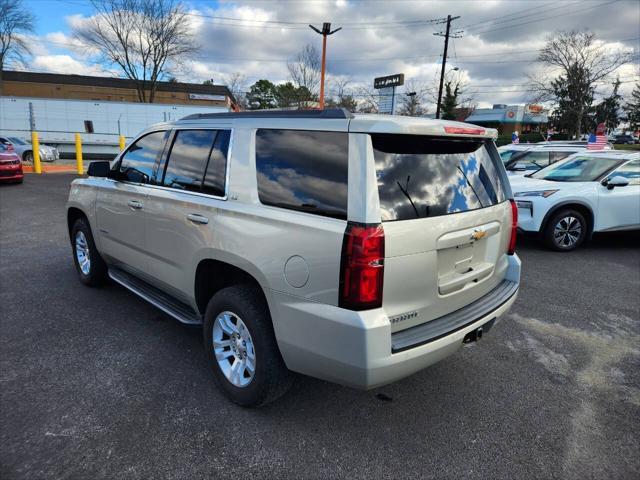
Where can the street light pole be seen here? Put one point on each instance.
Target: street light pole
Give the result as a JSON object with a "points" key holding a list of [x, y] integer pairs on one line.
{"points": [[326, 30]]}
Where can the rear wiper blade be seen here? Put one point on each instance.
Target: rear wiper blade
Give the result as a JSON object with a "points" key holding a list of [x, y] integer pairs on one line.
{"points": [[405, 191]]}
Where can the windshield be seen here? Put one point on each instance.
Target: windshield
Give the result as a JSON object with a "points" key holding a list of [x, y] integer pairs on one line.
{"points": [[577, 169], [17, 141], [420, 176]]}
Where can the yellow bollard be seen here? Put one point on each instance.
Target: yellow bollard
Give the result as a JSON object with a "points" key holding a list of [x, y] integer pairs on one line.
{"points": [[122, 142], [35, 149], [79, 154]]}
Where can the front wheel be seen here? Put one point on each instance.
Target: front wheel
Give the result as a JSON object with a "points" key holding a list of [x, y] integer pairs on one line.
{"points": [[241, 347], [565, 231], [91, 268], [28, 157]]}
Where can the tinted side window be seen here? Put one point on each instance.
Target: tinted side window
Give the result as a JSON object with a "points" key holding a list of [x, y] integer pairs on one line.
{"points": [[214, 180], [188, 159], [631, 171], [303, 170], [139, 160]]}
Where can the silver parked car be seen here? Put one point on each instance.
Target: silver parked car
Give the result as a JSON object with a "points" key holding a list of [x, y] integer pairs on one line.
{"points": [[358, 249], [25, 150]]}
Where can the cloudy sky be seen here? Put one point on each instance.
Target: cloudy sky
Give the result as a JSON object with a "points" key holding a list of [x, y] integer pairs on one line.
{"points": [[495, 53]]}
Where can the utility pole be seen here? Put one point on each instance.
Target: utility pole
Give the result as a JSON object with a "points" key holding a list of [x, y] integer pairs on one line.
{"points": [[446, 36], [326, 30], [32, 118]]}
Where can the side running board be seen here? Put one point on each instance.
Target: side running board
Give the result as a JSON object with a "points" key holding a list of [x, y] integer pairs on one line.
{"points": [[156, 297]]}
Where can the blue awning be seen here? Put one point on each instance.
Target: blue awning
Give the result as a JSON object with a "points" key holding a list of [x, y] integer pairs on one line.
{"points": [[477, 117]]}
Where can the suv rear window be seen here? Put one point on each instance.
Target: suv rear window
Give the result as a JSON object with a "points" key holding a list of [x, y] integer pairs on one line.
{"points": [[420, 176], [303, 170]]}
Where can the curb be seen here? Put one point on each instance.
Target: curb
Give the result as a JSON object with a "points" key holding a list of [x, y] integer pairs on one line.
{"points": [[50, 169]]}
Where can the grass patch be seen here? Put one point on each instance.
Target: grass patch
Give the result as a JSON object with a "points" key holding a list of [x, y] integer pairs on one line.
{"points": [[635, 147]]}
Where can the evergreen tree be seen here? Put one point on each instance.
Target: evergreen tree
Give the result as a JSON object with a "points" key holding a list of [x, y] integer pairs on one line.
{"points": [[607, 110], [262, 94], [632, 109], [450, 100]]}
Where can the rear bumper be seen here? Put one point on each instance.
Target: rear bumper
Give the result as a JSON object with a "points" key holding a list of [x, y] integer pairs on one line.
{"points": [[356, 348]]}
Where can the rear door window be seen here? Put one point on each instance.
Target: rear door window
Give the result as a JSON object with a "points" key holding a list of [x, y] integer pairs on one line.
{"points": [[420, 176], [303, 170]]}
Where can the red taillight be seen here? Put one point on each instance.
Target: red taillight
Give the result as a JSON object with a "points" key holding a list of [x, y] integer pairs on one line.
{"points": [[464, 130], [514, 227], [362, 267]]}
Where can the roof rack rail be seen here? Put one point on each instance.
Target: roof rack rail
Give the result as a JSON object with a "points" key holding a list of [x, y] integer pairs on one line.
{"points": [[330, 113]]}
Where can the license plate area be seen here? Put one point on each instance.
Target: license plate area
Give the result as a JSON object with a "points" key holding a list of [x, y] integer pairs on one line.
{"points": [[466, 258]]}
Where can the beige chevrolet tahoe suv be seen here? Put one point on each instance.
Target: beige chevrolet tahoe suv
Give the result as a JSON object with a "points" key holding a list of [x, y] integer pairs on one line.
{"points": [[354, 248]]}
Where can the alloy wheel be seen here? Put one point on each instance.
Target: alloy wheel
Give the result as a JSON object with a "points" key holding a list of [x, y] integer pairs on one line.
{"points": [[567, 232], [82, 253], [234, 349]]}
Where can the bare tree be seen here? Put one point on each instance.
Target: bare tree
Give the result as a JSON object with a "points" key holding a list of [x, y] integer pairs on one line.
{"points": [[15, 22], [575, 62], [368, 100], [237, 84], [412, 100], [341, 95], [144, 38], [305, 69]]}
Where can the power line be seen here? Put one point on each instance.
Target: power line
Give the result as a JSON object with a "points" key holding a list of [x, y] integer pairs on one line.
{"points": [[544, 18], [516, 16]]}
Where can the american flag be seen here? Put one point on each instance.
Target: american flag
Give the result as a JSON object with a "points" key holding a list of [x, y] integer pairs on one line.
{"points": [[596, 142]]}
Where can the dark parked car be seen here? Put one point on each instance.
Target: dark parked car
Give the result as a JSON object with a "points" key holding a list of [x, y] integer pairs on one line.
{"points": [[624, 139]]}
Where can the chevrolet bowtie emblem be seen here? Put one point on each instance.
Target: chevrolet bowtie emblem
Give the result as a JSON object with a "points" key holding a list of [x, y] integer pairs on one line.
{"points": [[478, 234]]}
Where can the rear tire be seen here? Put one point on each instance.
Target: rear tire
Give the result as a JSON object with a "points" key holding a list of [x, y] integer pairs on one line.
{"points": [[565, 231], [238, 323], [28, 156], [91, 268]]}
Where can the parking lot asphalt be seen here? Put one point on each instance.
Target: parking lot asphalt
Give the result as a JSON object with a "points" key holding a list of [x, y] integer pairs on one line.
{"points": [[96, 383]]}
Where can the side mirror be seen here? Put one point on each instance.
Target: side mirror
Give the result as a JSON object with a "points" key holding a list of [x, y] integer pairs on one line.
{"points": [[616, 181], [99, 169]]}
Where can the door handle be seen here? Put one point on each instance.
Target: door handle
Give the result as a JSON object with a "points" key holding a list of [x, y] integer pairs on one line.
{"points": [[195, 218], [135, 204]]}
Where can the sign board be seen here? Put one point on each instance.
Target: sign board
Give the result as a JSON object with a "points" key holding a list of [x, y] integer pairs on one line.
{"points": [[386, 100], [533, 109], [389, 81], [206, 96]]}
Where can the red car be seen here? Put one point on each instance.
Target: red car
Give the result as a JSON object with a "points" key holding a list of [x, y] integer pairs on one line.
{"points": [[10, 165]]}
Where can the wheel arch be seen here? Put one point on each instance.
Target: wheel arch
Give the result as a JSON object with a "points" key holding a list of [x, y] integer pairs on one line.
{"points": [[581, 207], [73, 214], [212, 275]]}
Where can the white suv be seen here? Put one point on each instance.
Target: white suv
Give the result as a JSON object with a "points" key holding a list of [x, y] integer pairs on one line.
{"points": [[354, 248], [588, 192], [523, 159]]}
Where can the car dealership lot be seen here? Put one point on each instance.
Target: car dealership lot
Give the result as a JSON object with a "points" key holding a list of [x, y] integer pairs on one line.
{"points": [[96, 383]]}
